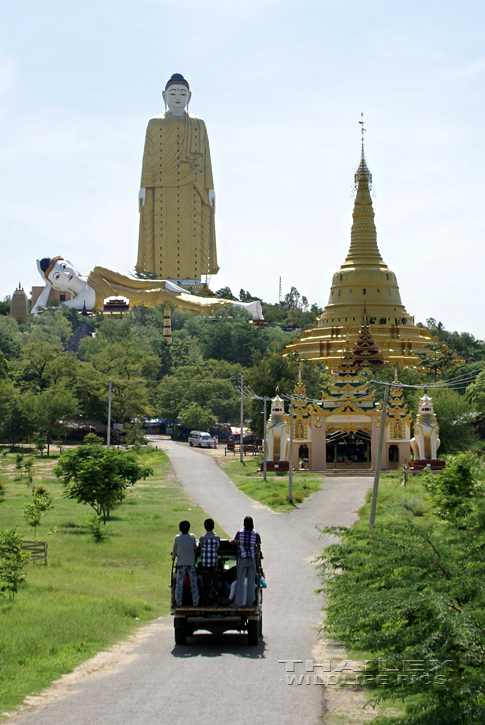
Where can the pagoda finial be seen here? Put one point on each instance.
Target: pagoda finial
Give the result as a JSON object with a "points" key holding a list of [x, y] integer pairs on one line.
{"points": [[362, 130], [362, 173]]}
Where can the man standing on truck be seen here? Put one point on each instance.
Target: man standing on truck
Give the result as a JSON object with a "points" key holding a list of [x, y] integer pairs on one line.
{"points": [[184, 547], [249, 546], [209, 547]]}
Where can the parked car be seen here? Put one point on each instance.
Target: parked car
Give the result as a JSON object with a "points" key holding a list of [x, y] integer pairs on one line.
{"points": [[200, 439]]}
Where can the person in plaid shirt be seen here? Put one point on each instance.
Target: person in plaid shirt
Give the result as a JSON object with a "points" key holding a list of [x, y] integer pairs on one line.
{"points": [[249, 545], [209, 552]]}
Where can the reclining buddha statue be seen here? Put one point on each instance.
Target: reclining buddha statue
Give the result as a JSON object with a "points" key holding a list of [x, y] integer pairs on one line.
{"points": [[90, 293]]}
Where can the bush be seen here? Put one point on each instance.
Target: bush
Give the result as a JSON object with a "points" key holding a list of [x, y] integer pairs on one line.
{"points": [[12, 562], [33, 512], [413, 593], [98, 531]]}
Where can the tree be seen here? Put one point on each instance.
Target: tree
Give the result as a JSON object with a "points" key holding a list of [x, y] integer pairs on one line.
{"points": [[49, 409], [452, 410], [5, 305], [245, 296], [272, 371], [412, 597], [437, 358], [9, 337], [33, 512], [225, 293], [211, 385], [196, 417], [463, 343], [475, 394], [454, 490], [12, 562], [29, 470], [99, 476], [128, 366], [134, 435]]}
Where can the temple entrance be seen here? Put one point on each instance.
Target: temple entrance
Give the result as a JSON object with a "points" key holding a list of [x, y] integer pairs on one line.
{"points": [[393, 457], [303, 456], [348, 450]]}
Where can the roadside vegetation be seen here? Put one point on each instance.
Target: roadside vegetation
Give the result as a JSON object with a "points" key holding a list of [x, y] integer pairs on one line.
{"points": [[94, 591], [409, 595], [274, 491]]}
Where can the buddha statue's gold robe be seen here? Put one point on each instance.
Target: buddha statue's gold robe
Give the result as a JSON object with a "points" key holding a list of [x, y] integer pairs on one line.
{"points": [[107, 283], [177, 235]]}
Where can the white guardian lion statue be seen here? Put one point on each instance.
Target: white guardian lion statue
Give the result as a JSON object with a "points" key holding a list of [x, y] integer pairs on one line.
{"points": [[426, 442], [277, 431]]}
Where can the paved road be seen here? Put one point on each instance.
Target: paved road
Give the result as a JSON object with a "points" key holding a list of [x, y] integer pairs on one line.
{"points": [[221, 679]]}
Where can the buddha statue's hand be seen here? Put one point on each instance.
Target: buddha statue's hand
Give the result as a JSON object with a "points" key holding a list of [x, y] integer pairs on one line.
{"points": [[212, 199], [142, 195]]}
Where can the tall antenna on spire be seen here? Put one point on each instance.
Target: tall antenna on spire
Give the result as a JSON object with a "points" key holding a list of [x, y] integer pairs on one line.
{"points": [[280, 293], [362, 173], [362, 130]]}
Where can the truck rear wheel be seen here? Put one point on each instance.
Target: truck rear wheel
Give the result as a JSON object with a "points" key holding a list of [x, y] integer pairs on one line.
{"points": [[180, 630], [253, 633]]}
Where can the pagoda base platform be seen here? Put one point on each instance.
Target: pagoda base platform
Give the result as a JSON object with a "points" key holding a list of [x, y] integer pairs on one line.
{"points": [[420, 465], [278, 466]]}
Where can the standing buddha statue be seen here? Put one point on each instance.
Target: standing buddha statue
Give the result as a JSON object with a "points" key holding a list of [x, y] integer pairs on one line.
{"points": [[177, 238]]}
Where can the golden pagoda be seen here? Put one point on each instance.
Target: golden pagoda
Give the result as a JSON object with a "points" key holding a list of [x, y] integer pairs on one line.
{"points": [[363, 282]]}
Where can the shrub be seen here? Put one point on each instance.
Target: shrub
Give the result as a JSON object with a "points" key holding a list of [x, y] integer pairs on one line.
{"points": [[12, 562]]}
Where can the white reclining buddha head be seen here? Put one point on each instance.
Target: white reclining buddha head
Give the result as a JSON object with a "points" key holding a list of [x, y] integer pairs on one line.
{"points": [[60, 273]]}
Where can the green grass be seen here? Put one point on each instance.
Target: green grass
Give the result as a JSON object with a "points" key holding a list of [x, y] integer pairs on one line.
{"points": [[91, 594], [274, 491], [397, 502]]}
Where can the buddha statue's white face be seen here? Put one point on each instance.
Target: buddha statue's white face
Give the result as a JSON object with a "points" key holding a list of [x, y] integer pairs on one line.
{"points": [[177, 98], [63, 276]]}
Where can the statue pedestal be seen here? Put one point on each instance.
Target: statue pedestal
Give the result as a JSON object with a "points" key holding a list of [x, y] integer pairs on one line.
{"points": [[419, 465], [278, 466]]}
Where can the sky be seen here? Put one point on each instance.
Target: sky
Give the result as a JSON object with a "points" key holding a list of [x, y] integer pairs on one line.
{"points": [[281, 85]]}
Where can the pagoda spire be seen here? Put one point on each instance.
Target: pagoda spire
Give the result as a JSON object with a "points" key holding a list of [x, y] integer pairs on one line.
{"points": [[366, 352], [363, 278], [363, 251]]}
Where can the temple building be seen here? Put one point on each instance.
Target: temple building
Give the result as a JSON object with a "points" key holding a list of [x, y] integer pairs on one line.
{"points": [[341, 432], [364, 287]]}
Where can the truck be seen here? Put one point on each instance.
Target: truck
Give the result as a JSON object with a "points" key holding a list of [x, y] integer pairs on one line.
{"points": [[216, 615]]}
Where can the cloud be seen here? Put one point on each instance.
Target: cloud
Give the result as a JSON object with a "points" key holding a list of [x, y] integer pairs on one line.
{"points": [[470, 70]]}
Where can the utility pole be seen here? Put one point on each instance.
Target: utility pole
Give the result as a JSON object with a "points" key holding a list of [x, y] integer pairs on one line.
{"points": [[265, 462], [241, 437], [290, 457], [108, 439], [372, 516]]}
